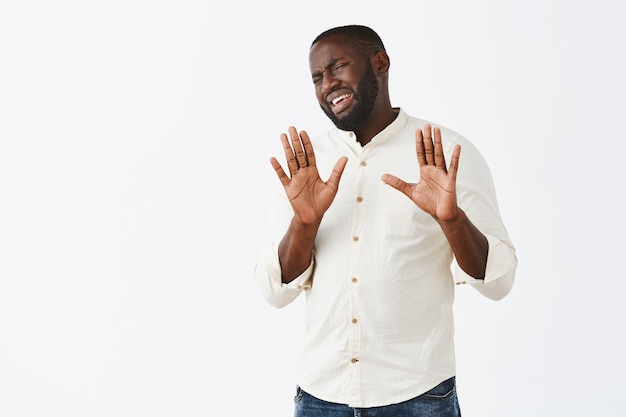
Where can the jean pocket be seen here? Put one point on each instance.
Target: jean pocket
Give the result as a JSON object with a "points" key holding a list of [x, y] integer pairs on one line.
{"points": [[299, 394], [442, 391]]}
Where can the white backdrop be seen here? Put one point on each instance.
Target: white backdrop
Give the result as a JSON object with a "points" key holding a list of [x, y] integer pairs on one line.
{"points": [[134, 145]]}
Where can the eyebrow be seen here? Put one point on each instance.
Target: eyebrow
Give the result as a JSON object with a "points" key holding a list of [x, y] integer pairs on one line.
{"points": [[332, 62]]}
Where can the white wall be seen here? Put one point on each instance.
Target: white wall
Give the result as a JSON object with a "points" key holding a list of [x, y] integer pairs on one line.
{"points": [[134, 146]]}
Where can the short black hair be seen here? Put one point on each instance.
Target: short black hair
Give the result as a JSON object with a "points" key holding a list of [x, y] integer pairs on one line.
{"points": [[363, 36]]}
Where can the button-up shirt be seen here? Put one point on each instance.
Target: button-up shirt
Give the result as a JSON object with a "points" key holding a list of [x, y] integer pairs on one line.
{"points": [[380, 287]]}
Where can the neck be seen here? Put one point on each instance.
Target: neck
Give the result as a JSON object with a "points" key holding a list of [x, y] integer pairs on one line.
{"points": [[377, 123]]}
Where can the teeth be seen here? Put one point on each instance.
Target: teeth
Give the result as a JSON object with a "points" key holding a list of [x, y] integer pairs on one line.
{"points": [[341, 97]]}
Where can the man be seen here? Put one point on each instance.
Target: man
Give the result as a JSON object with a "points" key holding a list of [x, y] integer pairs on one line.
{"points": [[375, 265]]}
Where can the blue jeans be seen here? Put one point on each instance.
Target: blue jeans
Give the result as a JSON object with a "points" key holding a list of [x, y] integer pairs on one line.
{"points": [[440, 401]]}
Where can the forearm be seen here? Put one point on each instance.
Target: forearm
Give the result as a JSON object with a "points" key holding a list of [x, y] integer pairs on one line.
{"points": [[469, 245], [295, 250]]}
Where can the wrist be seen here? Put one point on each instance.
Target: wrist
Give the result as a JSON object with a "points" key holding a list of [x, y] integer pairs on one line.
{"points": [[452, 220], [305, 227]]}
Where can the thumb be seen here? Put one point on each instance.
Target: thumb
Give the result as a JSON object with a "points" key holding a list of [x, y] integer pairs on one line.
{"points": [[335, 175], [398, 184]]}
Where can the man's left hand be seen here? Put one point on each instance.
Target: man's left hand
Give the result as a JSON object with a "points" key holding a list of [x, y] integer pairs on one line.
{"points": [[435, 193]]}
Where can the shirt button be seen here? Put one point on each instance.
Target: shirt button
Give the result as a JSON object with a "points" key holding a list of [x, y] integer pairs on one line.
{"points": [[354, 321], [354, 279], [351, 134], [355, 238], [359, 199], [354, 360], [363, 163]]}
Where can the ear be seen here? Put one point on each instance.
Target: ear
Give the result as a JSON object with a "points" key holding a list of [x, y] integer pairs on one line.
{"points": [[380, 62]]}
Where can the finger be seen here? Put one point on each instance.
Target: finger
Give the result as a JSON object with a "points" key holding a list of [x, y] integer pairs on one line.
{"points": [[428, 145], [292, 164], [335, 175], [297, 147], [308, 148], [454, 162], [282, 176], [398, 184], [419, 147], [440, 159]]}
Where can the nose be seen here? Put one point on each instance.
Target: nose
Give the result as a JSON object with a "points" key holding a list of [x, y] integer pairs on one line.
{"points": [[329, 82]]}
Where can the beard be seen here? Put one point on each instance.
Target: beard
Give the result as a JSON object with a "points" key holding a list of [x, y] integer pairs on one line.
{"points": [[364, 99]]}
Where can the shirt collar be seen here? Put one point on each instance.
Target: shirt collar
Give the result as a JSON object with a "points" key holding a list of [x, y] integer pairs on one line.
{"points": [[383, 136]]}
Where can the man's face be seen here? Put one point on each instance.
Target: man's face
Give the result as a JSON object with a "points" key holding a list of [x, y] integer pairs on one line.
{"points": [[345, 83]]}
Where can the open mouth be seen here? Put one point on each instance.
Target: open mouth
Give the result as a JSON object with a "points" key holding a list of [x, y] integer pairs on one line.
{"points": [[340, 103]]}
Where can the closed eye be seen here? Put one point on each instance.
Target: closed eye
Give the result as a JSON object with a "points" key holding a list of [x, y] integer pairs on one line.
{"points": [[317, 77]]}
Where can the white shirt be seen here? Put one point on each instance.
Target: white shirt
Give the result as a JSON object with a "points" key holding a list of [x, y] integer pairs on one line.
{"points": [[380, 288]]}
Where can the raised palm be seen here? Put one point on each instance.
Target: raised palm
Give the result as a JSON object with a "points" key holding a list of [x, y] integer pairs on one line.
{"points": [[309, 196], [435, 193]]}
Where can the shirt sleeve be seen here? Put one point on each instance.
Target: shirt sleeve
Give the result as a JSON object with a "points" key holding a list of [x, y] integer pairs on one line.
{"points": [[500, 271], [477, 197], [269, 278], [267, 269]]}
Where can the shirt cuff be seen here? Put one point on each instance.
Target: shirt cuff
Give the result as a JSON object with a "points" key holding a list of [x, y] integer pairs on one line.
{"points": [[499, 272], [269, 278]]}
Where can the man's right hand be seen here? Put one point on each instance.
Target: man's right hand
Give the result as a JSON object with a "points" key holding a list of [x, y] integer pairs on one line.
{"points": [[309, 196]]}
